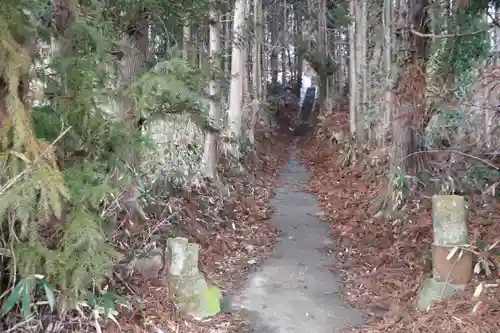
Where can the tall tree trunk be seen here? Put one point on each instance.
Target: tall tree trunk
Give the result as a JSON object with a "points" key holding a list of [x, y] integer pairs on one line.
{"points": [[360, 68], [376, 61], [186, 42], [411, 116], [365, 90], [489, 113], [343, 61], [334, 47], [201, 41], [388, 67], [273, 26], [265, 52], [298, 47], [323, 51], [352, 69], [227, 45], [237, 75], [131, 67], [256, 70], [284, 43], [290, 64], [246, 58], [210, 149]]}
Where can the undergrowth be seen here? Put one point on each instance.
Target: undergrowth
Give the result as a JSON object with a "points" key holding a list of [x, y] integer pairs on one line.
{"points": [[73, 157]]}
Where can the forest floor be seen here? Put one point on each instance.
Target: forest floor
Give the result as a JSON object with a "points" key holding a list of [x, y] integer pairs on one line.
{"points": [[382, 264], [235, 237], [377, 266]]}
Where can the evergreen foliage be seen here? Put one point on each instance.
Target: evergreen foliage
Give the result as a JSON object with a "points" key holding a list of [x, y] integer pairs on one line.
{"points": [[454, 58], [58, 157], [452, 68]]}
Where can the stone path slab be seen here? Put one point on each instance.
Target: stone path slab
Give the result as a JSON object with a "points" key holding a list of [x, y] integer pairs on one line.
{"points": [[294, 292]]}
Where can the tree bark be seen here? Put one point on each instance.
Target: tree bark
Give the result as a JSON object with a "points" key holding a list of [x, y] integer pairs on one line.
{"points": [[411, 114], [274, 50], [237, 74], [256, 70], [298, 44], [388, 66], [360, 27], [365, 90], [265, 59], [323, 51], [246, 59], [284, 43], [352, 69], [186, 42], [210, 148], [227, 45]]}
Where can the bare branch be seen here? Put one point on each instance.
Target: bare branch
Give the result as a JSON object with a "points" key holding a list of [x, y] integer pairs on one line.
{"points": [[433, 36]]}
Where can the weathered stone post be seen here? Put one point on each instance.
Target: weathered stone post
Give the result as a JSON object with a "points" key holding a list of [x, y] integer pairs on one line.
{"points": [[192, 294], [449, 274]]}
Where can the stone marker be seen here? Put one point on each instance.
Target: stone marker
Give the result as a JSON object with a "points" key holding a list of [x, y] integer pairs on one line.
{"points": [[192, 294], [449, 217]]}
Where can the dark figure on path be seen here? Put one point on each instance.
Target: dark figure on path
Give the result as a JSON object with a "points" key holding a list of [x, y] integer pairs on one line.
{"points": [[288, 109], [303, 121]]}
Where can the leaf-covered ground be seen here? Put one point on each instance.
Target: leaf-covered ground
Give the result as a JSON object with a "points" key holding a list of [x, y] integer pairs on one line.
{"points": [[383, 263], [233, 233]]}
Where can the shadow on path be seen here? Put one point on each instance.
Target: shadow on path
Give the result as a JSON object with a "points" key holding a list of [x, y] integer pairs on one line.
{"points": [[294, 292]]}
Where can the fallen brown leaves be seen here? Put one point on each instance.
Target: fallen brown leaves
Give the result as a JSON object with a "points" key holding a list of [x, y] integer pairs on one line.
{"points": [[382, 263], [233, 234]]}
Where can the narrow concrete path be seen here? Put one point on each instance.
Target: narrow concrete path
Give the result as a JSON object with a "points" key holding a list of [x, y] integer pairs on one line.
{"points": [[294, 292]]}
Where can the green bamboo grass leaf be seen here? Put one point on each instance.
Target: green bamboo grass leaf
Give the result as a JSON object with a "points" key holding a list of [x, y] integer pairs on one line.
{"points": [[49, 293], [14, 297], [25, 303]]}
